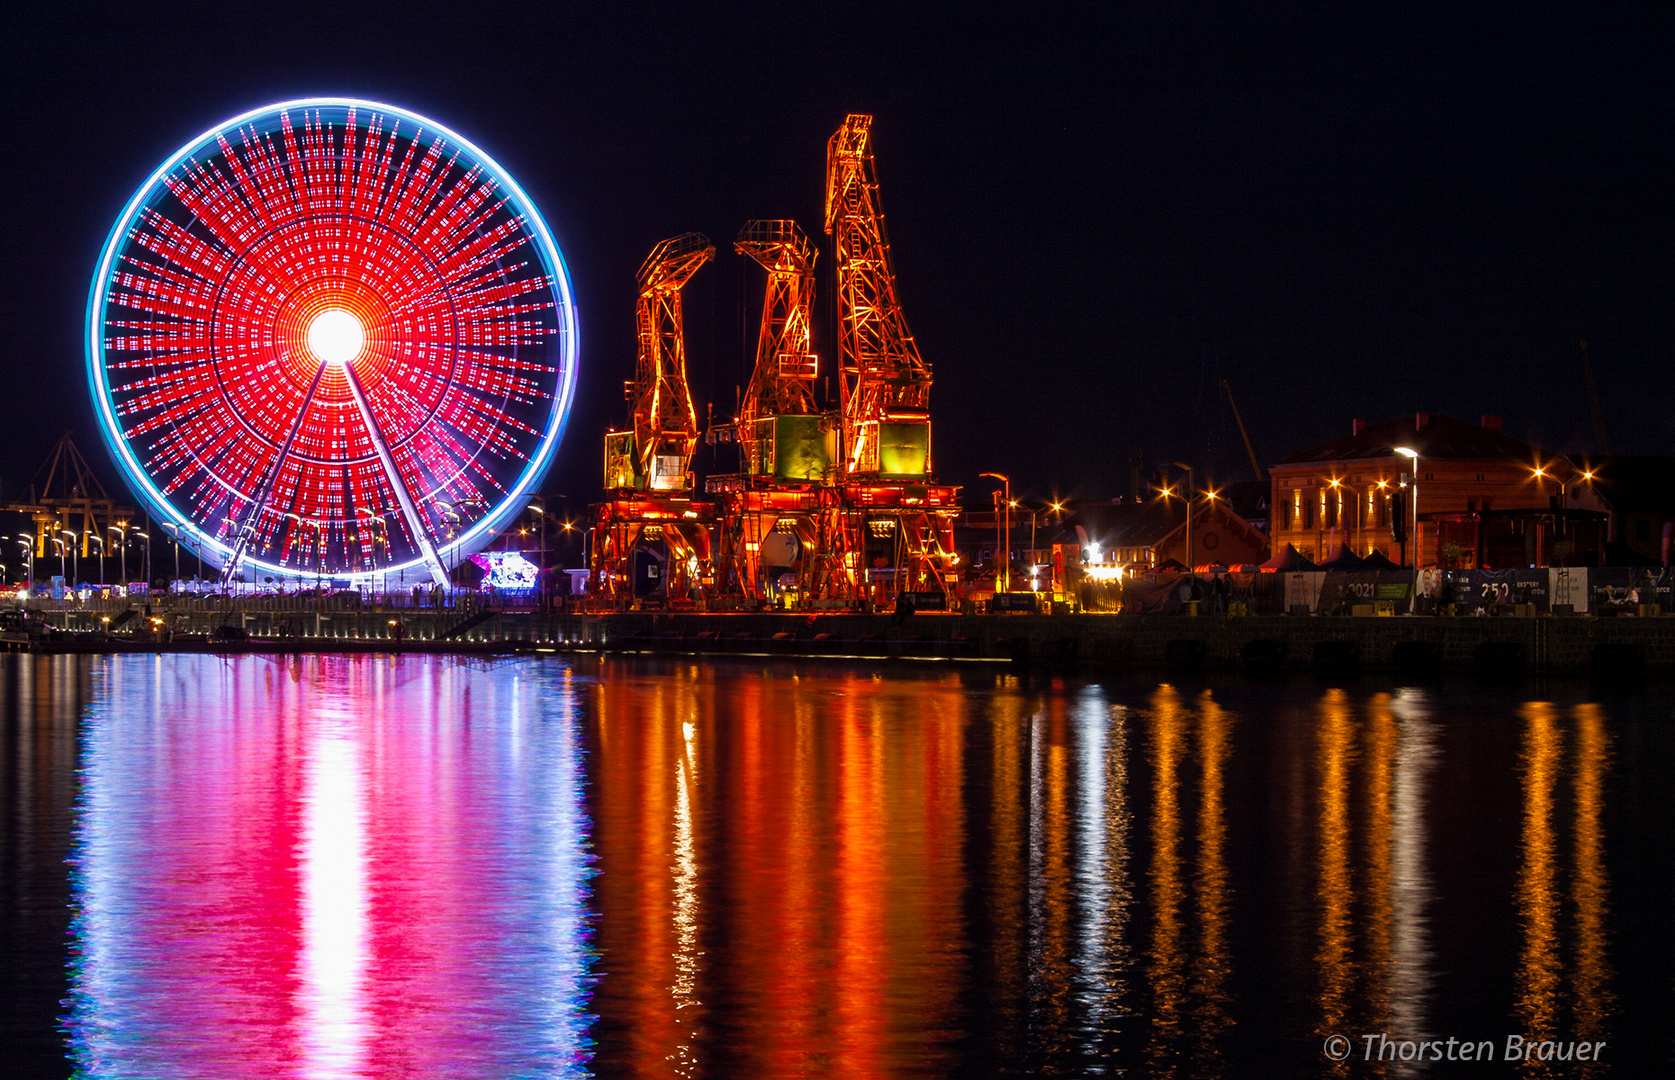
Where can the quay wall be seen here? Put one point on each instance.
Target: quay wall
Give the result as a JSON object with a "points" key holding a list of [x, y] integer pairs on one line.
{"points": [[1575, 645], [1557, 644]]}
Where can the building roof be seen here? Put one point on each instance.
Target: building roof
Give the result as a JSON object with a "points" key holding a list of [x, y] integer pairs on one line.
{"points": [[1441, 438]]}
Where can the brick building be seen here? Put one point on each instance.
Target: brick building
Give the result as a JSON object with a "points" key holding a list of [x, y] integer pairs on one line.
{"points": [[1485, 499]]}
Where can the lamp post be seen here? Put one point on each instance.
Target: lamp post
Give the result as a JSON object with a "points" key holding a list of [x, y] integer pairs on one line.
{"points": [[1003, 580], [1339, 486], [542, 577], [29, 565], [147, 537], [101, 542], [121, 531], [1188, 500], [1413, 497], [75, 553], [176, 535]]}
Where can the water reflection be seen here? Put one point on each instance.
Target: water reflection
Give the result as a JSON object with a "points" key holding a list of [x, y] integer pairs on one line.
{"points": [[650, 868], [328, 867], [1550, 1006], [1335, 748], [1407, 977]]}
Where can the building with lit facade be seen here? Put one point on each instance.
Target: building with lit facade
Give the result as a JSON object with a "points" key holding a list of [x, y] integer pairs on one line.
{"points": [[1485, 499]]}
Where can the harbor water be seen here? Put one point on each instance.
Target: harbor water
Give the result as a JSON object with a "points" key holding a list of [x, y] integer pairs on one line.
{"points": [[433, 866]]}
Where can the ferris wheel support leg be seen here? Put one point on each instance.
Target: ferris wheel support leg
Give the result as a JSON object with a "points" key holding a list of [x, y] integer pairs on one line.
{"points": [[403, 496]]}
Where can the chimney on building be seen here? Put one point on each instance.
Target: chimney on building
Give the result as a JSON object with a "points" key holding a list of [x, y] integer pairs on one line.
{"points": [[1491, 423], [1356, 425], [1420, 419]]}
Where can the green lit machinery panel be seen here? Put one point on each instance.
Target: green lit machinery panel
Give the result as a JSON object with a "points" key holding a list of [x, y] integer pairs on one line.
{"points": [[904, 448], [621, 463], [789, 447]]}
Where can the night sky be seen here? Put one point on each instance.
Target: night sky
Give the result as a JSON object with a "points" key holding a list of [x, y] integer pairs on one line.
{"points": [[1098, 212]]}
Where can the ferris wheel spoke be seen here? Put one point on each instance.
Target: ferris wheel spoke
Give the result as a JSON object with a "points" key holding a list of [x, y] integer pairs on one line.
{"points": [[247, 529], [404, 497]]}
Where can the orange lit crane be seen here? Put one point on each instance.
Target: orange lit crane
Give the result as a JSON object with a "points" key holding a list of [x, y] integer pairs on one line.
{"points": [[769, 509], [651, 540], [783, 381], [665, 423], [894, 527]]}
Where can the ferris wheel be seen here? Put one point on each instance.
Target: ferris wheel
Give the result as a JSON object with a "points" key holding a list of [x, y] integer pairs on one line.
{"points": [[332, 338]]}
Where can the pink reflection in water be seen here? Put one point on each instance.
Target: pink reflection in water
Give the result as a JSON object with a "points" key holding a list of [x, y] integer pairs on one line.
{"points": [[332, 867]]}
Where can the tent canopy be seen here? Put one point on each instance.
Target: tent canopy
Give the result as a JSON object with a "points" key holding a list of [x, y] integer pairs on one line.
{"points": [[1288, 560], [1344, 559]]}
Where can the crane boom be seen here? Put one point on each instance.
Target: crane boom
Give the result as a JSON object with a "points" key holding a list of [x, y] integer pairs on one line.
{"points": [[884, 383], [783, 381], [665, 423], [1595, 412], [1255, 465]]}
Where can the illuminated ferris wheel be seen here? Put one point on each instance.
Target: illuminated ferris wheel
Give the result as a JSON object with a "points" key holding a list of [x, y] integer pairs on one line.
{"points": [[330, 337]]}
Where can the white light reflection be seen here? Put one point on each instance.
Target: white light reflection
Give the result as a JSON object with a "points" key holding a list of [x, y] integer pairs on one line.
{"points": [[333, 863], [1410, 882], [686, 897], [1102, 842]]}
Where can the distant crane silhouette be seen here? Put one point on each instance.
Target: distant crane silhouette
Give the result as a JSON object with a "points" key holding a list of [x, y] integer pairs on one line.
{"points": [[1601, 443], [1254, 464]]}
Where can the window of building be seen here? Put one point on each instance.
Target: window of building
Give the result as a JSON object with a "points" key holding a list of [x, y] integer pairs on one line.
{"points": [[1308, 514]]}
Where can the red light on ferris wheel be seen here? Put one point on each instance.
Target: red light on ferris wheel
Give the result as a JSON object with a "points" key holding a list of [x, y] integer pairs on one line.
{"points": [[332, 337]]}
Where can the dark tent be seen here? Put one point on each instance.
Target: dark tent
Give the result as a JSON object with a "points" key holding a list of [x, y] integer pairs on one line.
{"points": [[1170, 564], [1288, 560], [1378, 561], [1344, 559]]}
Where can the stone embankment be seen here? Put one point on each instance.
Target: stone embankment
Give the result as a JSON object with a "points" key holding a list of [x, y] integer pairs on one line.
{"points": [[1572, 645], [1088, 643]]}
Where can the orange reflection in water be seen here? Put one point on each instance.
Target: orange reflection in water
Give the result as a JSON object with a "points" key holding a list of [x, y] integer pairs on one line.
{"points": [[1537, 896], [1334, 751], [1166, 962], [797, 834], [1591, 886], [1051, 952], [1549, 1002], [1214, 963]]}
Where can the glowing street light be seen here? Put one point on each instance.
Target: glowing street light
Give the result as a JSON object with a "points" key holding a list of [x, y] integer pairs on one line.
{"points": [[1413, 456], [1188, 500], [1003, 580]]}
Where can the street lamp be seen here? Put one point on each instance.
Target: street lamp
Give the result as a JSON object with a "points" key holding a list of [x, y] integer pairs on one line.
{"points": [[1413, 497], [75, 561], [29, 565], [176, 534], [542, 577], [101, 542], [1188, 500], [1003, 580], [121, 530], [147, 537]]}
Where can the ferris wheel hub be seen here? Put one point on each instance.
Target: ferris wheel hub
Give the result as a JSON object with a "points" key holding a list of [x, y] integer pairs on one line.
{"points": [[336, 337]]}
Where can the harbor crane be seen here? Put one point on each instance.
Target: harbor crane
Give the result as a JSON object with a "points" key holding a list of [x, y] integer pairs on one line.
{"points": [[650, 539], [892, 527], [769, 509]]}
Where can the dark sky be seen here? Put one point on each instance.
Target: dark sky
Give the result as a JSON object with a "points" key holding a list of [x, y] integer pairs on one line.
{"points": [[1098, 212]]}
